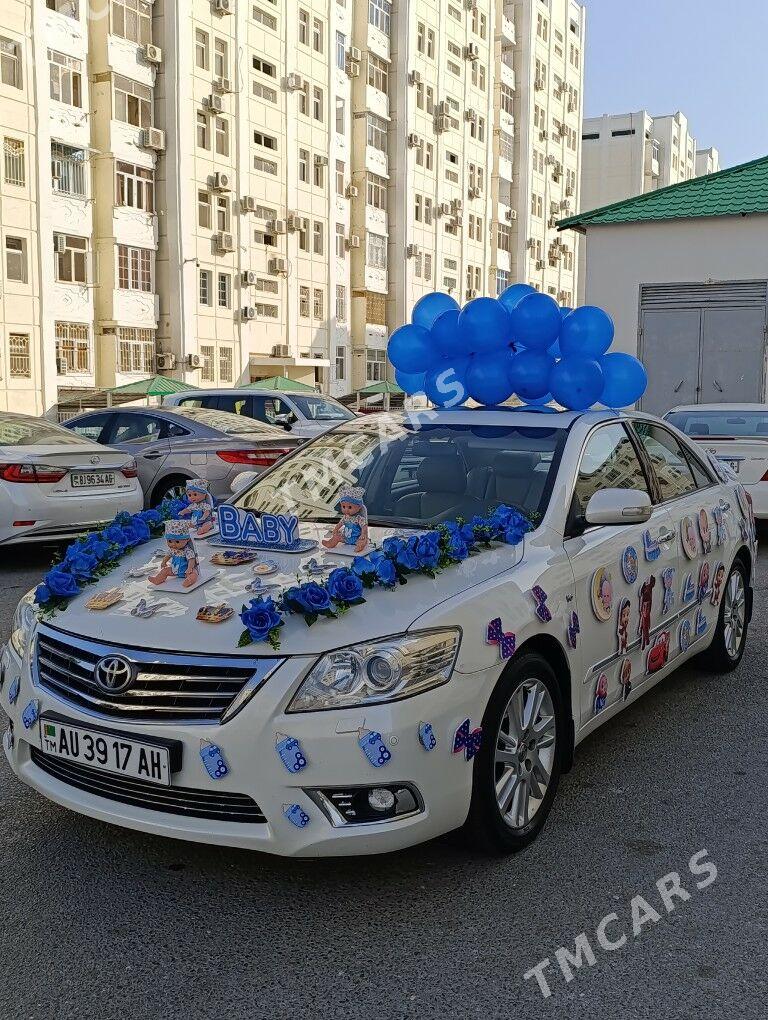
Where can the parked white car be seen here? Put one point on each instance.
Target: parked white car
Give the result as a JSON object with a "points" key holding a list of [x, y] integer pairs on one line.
{"points": [[55, 485], [452, 699], [737, 434]]}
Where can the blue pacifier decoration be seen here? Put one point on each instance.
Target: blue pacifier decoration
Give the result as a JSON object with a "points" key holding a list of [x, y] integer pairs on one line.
{"points": [[290, 752], [427, 737], [296, 815], [213, 760], [13, 690], [30, 714], [372, 745]]}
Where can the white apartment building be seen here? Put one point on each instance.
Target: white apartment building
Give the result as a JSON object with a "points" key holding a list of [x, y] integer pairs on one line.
{"points": [[707, 161], [240, 188]]}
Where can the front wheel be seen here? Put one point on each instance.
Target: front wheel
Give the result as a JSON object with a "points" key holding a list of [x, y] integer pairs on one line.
{"points": [[727, 648], [517, 770]]}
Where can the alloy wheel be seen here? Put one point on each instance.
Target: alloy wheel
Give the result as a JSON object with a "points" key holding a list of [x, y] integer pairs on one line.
{"points": [[524, 753], [734, 613]]}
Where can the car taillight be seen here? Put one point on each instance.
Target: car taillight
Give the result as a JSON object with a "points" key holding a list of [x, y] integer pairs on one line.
{"points": [[34, 473], [258, 458], [130, 470]]}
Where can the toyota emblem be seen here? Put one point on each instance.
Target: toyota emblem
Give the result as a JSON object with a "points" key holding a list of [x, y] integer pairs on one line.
{"points": [[113, 674]]}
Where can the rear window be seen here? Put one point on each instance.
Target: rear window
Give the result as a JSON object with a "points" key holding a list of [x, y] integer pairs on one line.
{"points": [[321, 408], [18, 430], [231, 424], [721, 424]]}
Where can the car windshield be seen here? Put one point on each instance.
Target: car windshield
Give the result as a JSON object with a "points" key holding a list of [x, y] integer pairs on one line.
{"points": [[18, 430], [414, 474], [230, 424], [321, 408], [721, 424]]}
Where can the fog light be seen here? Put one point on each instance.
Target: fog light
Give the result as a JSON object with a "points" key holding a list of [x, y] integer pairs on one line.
{"points": [[380, 799]]}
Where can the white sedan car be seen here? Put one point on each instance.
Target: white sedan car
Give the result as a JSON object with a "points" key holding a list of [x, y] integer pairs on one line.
{"points": [[453, 700], [55, 485], [737, 434]]}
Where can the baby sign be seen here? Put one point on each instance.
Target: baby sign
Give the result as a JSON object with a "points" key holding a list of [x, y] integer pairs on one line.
{"points": [[260, 531]]}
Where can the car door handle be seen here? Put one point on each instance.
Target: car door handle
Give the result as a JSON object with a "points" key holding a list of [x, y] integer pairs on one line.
{"points": [[152, 455], [666, 535]]}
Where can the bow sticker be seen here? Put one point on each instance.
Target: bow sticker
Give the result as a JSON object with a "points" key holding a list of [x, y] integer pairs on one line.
{"points": [[466, 741], [495, 635], [573, 629], [542, 610]]}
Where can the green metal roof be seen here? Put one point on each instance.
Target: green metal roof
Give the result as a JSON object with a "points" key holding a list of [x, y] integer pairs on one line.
{"points": [[279, 382], [154, 386], [732, 192], [379, 387]]}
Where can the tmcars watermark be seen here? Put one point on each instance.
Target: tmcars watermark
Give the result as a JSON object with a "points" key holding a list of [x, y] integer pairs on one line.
{"points": [[641, 913]]}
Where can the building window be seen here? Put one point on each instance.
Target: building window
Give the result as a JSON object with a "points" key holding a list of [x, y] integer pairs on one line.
{"points": [[68, 170], [206, 297], [375, 365], [132, 19], [264, 66], [341, 303], [13, 158], [318, 173], [134, 268], [225, 364], [341, 363], [339, 115], [378, 73], [376, 135], [431, 43], [317, 238], [220, 58], [341, 50], [303, 98], [317, 103], [206, 372], [224, 290], [204, 210], [18, 348], [136, 350], [303, 27], [304, 166], [69, 8], [135, 187], [303, 238], [222, 136], [340, 249], [203, 141], [380, 15], [72, 346], [318, 303], [304, 302], [317, 35], [201, 49], [264, 19], [264, 92], [10, 62], [339, 177], [65, 79], [133, 102], [376, 192], [16, 259], [377, 251], [71, 258]]}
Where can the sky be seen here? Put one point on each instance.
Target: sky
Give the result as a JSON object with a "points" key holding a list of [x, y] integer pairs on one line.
{"points": [[668, 55]]}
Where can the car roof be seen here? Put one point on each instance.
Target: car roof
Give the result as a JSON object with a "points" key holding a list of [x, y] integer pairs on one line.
{"points": [[719, 407], [240, 391], [498, 416]]}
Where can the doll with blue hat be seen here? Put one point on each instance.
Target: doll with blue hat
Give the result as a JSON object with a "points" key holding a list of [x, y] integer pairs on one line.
{"points": [[181, 561], [352, 529], [200, 509]]}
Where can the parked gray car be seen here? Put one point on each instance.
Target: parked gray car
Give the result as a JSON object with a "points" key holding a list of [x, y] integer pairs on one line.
{"points": [[176, 443]]}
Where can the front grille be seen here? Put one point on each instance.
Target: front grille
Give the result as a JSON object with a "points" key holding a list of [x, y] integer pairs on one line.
{"points": [[167, 687], [175, 800]]}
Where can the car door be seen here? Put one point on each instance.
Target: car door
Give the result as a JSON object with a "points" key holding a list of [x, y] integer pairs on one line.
{"points": [[145, 436], [616, 572], [695, 502], [235, 404]]}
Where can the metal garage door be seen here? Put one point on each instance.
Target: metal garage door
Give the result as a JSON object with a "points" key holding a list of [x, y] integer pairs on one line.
{"points": [[703, 343]]}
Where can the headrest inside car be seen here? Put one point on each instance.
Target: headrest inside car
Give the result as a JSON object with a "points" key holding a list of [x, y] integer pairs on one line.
{"points": [[443, 474], [516, 464]]}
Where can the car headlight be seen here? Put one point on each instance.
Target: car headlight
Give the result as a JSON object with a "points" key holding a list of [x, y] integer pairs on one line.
{"points": [[24, 622], [377, 671]]}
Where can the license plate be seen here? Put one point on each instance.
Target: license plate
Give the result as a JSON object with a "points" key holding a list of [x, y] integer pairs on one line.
{"points": [[84, 479], [107, 752]]}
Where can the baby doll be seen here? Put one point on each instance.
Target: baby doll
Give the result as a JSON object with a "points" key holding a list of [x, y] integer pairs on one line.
{"points": [[181, 559], [352, 529], [200, 509]]}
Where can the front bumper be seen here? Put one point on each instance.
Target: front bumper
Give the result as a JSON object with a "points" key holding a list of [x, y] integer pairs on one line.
{"points": [[442, 780]]}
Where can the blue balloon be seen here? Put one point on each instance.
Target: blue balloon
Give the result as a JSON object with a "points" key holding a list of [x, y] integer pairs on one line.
{"points": [[487, 378], [586, 332], [554, 351], [410, 349], [410, 382], [427, 308], [540, 401], [446, 336], [529, 374], [515, 293], [565, 310], [446, 384], [576, 383], [625, 379], [536, 321], [484, 325]]}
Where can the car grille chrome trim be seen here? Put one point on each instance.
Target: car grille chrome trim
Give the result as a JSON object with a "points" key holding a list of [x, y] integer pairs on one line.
{"points": [[168, 687], [216, 805]]}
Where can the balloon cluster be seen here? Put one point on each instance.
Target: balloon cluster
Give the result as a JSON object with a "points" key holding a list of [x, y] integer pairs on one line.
{"points": [[520, 343]]}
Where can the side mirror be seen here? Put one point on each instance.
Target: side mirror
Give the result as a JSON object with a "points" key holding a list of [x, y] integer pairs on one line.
{"points": [[618, 506], [243, 480]]}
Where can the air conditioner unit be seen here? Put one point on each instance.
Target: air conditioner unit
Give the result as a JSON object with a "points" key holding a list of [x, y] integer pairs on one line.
{"points": [[294, 81], [165, 362], [223, 242], [443, 108], [457, 221], [353, 241], [474, 193], [224, 6], [414, 78], [565, 204], [470, 5], [539, 263], [152, 54], [276, 226], [550, 160], [543, 136], [213, 102], [248, 204], [412, 250], [569, 189], [248, 277], [59, 243], [413, 140], [153, 138], [470, 116], [281, 351], [444, 209], [471, 293], [321, 160], [292, 222], [538, 84], [222, 85], [443, 124], [530, 243], [552, 221], [62, 366], [351, 191], [277, 266], [471, 51], [247, 313], [353, 53], [352, 68], [195, 360], [456, 204], [222, 181]]}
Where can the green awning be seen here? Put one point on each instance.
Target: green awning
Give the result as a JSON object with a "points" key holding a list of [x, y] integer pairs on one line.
{"points": [[154, 386], [279, 382], [380, 387]]}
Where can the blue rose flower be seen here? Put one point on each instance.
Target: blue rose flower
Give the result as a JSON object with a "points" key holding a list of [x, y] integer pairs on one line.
{"points": [[61, 583], [344, 586], [427, 550], [96, 546], [363, 566], [402, 552], [386, 573], [136, 531], [175, 506], [461, 531], [310, 598], [42, 594], [152, 518], [260, 617], [115, 536], [81, 564], [456, 547]]}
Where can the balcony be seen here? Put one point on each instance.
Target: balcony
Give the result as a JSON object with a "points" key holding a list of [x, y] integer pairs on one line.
{"points": [[508, 25], [507, 73]]}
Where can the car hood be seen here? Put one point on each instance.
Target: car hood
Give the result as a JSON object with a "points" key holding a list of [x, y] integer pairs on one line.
{"points": [[175, 627]]}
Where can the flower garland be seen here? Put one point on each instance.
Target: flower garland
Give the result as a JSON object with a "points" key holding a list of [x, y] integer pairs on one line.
{"points": [[427, 553]]}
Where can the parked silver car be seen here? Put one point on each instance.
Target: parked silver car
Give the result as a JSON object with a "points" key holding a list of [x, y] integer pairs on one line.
{"points": [[304, 415], [176, 443]]}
